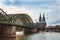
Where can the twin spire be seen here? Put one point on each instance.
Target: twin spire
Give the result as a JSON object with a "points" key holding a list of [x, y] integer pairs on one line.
{"points": [[42, 18]]}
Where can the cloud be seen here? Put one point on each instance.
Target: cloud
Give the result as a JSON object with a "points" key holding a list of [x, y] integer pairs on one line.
{"points": [[57, 21], [51, 9], [27, 2]]}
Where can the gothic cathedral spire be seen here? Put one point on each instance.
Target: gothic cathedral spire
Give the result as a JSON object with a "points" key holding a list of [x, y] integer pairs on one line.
{"points": [[43, 17], [40, 18]]}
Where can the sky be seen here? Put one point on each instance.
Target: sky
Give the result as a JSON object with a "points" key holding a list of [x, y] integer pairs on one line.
{"points": [[51, 9]]}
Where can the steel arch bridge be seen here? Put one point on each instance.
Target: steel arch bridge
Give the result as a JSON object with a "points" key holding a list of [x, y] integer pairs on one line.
{"points": [[22, 19], [15, 22]]}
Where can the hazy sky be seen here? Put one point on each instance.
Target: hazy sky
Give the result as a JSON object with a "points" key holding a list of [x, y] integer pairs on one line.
{"points": [[51, 9]]}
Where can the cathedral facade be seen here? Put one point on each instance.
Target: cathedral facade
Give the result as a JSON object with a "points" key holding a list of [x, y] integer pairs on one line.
{"points": [[41, 25], [42, 21]]}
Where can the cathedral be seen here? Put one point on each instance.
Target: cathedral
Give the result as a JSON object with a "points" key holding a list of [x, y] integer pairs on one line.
{"points": [[41, 24], [42, 21]]}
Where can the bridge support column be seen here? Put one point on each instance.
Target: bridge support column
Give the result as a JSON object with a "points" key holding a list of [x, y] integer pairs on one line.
{"points": [[13, 30]]}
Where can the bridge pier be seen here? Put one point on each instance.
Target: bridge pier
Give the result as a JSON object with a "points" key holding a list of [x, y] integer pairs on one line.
{"points": [[30, 30], [7, 30]]}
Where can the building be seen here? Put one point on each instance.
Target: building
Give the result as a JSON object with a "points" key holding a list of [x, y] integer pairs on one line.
{"points": [[41, 24], [42, 21]]}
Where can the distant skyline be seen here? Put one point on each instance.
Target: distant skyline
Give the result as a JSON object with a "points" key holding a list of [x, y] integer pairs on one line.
{"points": [[51, 9]]}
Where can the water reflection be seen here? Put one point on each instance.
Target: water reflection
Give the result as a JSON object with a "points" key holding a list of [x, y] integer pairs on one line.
{"points": [[7, 38], [20, 38], [36, 36]]}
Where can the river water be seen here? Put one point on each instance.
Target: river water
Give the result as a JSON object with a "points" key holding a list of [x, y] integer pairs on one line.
{"points": [[44, 36], [36, 36]]}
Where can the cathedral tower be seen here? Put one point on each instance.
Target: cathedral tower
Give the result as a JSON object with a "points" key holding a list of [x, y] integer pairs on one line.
{"points": [[42, 21], [40, 18]]}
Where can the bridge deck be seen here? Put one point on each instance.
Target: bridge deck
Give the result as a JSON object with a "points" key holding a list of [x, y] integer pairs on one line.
{"points": [[17, 25]]}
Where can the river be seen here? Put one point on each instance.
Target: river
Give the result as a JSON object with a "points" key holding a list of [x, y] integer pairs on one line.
{"points": [[36, 36], [44, 36]]}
